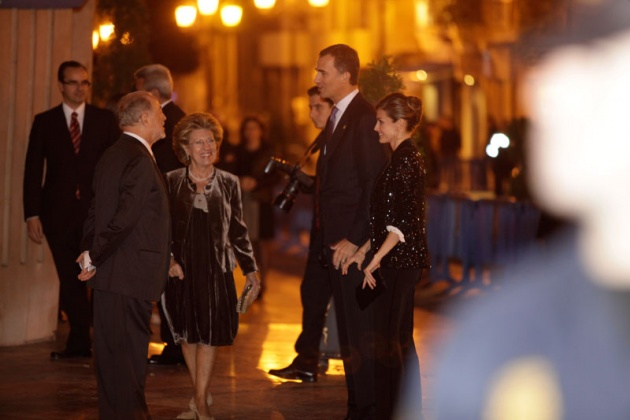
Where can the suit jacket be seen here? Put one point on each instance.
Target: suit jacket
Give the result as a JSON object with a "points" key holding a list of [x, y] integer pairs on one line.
{"points": [[398, 200], [230, 240], [163, 148], [127, 231], [347, 171], [50, 146]]}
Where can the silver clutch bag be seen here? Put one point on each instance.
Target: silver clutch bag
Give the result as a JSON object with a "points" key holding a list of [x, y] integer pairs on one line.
{"points": [[245, 300]]}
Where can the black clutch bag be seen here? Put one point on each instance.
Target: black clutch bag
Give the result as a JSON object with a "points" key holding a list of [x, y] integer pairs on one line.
{"points": [[367, 295]]}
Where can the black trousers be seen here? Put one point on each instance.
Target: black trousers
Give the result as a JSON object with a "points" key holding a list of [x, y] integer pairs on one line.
{"points": [[121, 341], [315, 291], [396, 357], [356, 340], [73, 294]]}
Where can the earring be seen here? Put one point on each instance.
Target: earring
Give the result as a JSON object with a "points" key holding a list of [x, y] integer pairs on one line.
{"points": [[187, 159]]}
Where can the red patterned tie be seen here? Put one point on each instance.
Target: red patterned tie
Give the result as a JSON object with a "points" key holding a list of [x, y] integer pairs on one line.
{"points": [[75, 133]]}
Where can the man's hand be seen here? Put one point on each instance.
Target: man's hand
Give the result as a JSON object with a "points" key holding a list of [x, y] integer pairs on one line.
{"points": [[357, 259], [176, 270], [35, 230], [87, 269], [344, 249]]}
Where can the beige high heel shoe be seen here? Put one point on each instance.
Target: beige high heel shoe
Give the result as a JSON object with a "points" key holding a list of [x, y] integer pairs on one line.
{"points": [[190, 414], [197, 415]]}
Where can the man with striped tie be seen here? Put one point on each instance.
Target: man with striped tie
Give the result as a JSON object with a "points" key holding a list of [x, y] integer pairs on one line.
{"points": [[64, 145]]}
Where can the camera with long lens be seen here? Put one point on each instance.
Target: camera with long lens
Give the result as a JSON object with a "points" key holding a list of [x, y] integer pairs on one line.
{"points": [[298, 181]]}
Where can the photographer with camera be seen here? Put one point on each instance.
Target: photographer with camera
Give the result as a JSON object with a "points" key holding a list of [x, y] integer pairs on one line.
{"points": [[315, 290]]}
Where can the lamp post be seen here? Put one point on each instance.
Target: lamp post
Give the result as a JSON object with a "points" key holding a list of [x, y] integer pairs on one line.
{"points": [[214, 23]]}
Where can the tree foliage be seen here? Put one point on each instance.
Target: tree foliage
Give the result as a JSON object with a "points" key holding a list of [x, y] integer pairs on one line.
{"points": [[379, 79], [127, 50]]}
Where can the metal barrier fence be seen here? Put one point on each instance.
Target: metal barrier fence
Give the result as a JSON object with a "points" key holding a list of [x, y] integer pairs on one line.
{"points": [[479, 234]]}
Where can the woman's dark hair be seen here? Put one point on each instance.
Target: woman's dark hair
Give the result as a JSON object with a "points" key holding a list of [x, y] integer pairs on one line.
{"points": [[400, 107], [247, 120], [191, 122]]}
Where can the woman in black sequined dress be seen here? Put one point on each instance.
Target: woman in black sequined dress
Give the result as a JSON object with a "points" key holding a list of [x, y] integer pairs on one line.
{"points": [[399, 248]]}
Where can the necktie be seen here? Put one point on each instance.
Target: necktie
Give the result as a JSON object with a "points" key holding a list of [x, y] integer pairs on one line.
{"points": [[75, 133], [330, 127]]}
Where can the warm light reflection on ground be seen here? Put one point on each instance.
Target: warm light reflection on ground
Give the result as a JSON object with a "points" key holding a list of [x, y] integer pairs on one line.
{"points": [[155, 348], [277, 351]]}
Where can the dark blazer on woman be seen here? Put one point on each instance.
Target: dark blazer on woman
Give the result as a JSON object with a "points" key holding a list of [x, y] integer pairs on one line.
{"points": [[398, 200], [229, 233]]}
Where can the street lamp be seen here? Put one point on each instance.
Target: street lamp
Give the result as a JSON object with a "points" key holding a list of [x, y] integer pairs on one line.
{"points": [[104, 33], [264, 4], [231, 14], [208, 7], [185, 16]]}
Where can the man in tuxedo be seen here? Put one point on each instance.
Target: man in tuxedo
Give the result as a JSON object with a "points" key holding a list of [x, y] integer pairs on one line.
{"points": [[350, 159], [315, 290], [157, 80], [67, 141], [126, 256]]}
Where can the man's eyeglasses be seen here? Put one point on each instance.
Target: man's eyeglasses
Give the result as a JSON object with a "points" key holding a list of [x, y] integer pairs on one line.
{"points": [[76, 83]]}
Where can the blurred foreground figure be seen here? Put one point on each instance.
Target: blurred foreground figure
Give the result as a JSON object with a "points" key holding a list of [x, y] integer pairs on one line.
{"points": [[555, 343]]}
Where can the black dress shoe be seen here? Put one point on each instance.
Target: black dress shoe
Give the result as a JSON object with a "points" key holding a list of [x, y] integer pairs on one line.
{"points": [[69, 354], [162, 359], [291, 372]]}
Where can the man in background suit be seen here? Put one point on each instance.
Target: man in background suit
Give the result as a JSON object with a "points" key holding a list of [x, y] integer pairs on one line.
{"points": [[157, 80], [127, 248], [68, 147], [349, 161]]}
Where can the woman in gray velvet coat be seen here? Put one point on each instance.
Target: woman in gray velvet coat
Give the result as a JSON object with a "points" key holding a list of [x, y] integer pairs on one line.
{"points": [[209, 237]]}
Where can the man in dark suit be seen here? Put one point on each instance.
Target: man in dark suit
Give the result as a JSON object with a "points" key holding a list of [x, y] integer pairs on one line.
{"points": [[315, 290], [157, 80], [67, 141], [126, 258], [350, 160]]}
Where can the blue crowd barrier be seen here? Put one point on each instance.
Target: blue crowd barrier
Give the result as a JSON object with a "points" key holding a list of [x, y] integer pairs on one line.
{"points": [[479, 234]]}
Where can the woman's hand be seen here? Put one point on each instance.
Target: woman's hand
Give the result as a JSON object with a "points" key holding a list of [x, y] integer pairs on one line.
{"points": [[176, 270], [253, 279], [369, 277]]}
